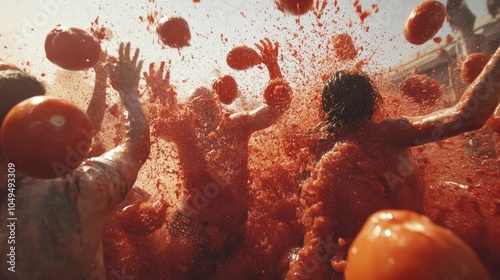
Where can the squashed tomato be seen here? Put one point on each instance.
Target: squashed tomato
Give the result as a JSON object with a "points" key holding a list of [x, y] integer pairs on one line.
{"points": [[72, 48], [400, 244], [294, 7], [46, 137], [242, 58], [226, 88], [174, 32], [424, 22]]}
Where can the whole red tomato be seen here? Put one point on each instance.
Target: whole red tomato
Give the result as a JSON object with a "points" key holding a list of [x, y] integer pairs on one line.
{"points": [[226, 88], [472, 67], [400, 244], [424, 22], [46, 137], [174, 32], [294, 7], [72, 48], [242, 58]]}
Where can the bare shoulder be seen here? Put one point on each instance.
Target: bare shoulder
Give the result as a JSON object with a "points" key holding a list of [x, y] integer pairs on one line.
{"points": [[101, 181], [240, 119], [239, 116], [341, 153]]}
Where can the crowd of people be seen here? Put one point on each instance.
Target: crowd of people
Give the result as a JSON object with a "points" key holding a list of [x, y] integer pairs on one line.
{"points": [[361, 166]]}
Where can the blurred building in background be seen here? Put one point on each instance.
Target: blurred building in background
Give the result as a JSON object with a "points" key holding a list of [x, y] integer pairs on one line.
{"points": [[428, 61]]}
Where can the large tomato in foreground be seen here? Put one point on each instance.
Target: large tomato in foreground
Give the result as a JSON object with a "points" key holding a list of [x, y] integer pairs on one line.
{"points": [[242, 58], [400, 244], [46, 137], [294, 7], [72, 48], [424, 22], [174, 32]]}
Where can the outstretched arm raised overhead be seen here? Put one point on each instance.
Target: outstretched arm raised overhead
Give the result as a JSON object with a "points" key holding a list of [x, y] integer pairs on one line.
{"points": [[97, 104], [277, 93], [133, 151], [471, 112], [161, 91], [269, 56]]}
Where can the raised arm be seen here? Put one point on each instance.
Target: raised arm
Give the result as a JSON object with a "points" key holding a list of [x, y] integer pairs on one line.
{"points": [[269, 56], [129, 156], [162, 106], [97, 104], [267, 115], [471, 112], [277, 94], [161, 91]]}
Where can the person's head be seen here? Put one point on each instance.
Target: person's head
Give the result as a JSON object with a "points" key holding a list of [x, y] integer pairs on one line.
{"points": [[348, 97], [16, 86], [204, 103]]}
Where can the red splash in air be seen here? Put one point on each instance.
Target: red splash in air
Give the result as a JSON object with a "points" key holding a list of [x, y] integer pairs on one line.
{"points": [[344, 47]]}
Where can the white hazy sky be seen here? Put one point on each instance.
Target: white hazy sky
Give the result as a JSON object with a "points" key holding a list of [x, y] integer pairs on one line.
{"points": [[25, 23]]}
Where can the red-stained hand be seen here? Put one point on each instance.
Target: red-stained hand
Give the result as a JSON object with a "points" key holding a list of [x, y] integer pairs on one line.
{"points": [[268, 51], [126, 72], [158, 79], [269, 56]]}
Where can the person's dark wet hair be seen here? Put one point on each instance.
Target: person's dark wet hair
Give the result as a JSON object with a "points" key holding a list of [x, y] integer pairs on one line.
{"points": [[348, 97], [16, 86]]}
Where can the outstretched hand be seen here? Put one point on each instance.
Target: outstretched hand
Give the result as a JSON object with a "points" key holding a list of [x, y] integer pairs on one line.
{"points": [[269, 56], [126, 72], [159, 82], [268, 51], [155, 76]]}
